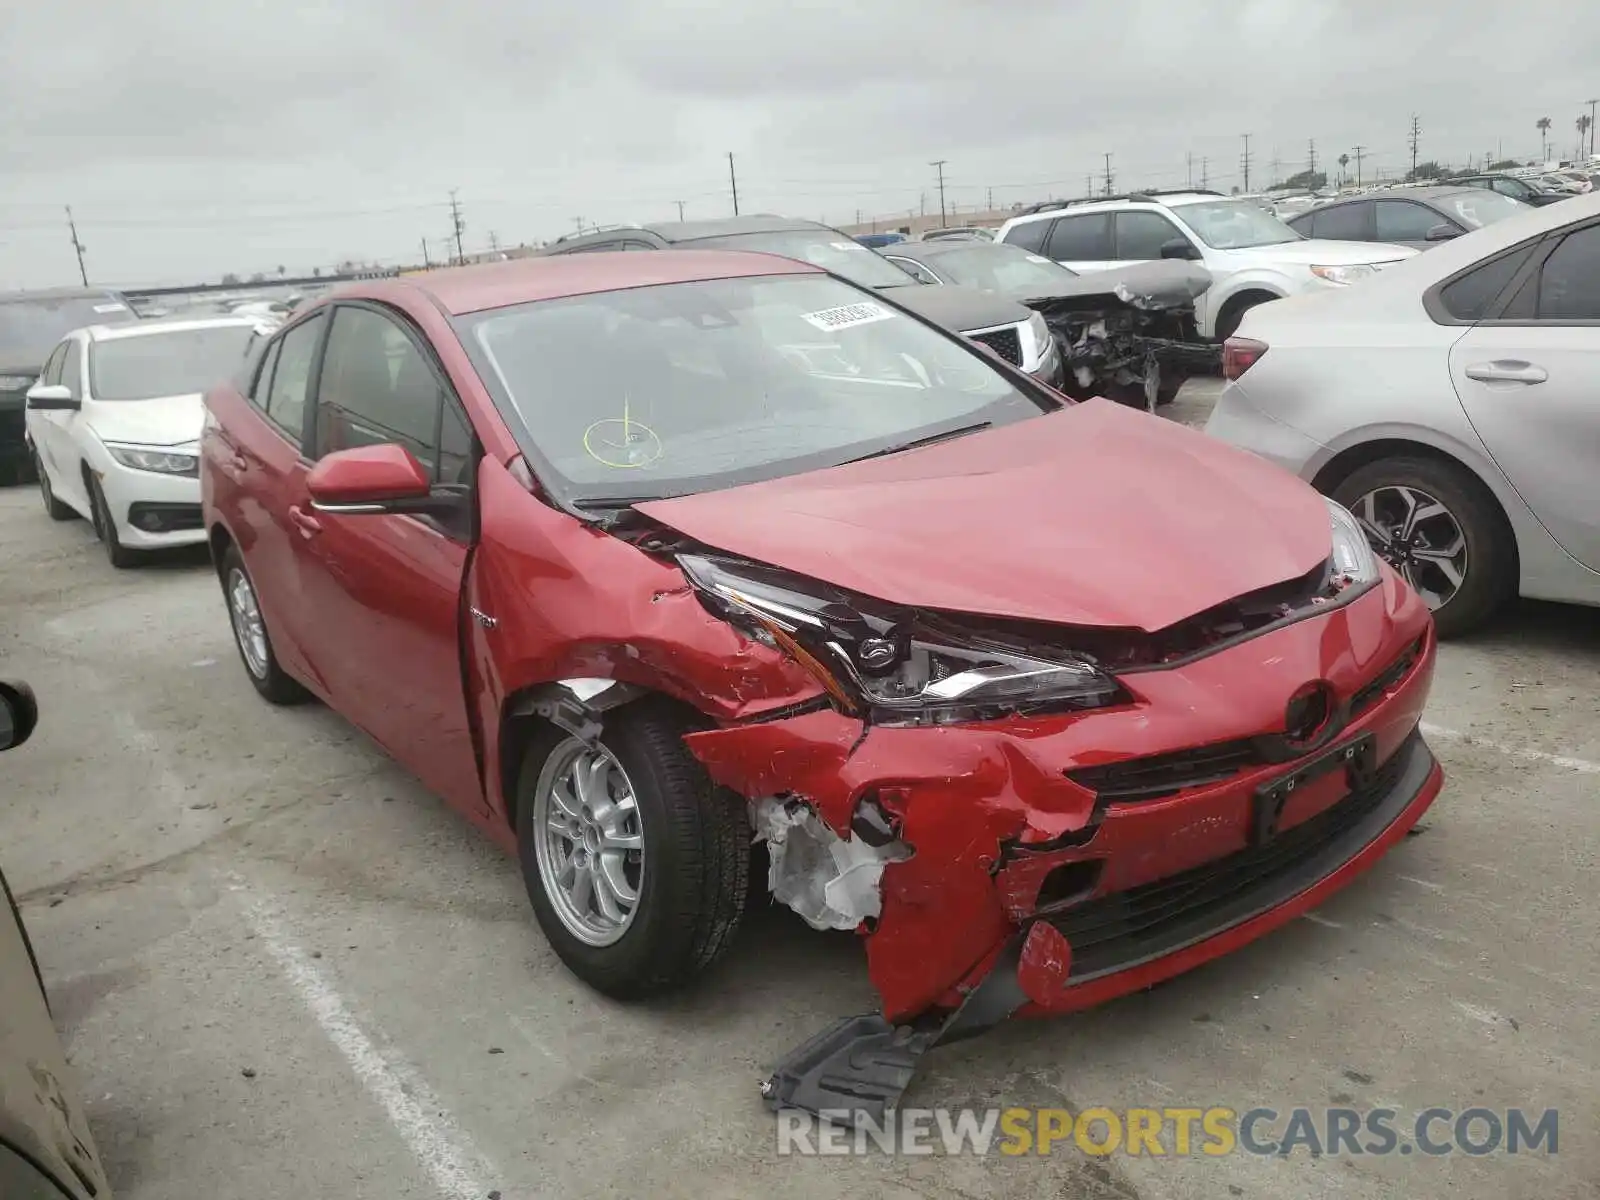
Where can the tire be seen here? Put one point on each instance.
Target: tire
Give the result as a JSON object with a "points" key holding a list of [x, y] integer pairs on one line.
{"points": [[57, 510], [1487, 566], [693, 873], [260, 663], [106, 529], [1232, 314]]}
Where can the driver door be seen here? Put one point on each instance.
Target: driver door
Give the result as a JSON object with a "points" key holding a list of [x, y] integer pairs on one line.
{"points": [[384, 591]]}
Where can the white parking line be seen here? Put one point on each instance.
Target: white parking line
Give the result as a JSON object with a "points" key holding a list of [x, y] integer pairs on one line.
{"points": [[458, 1169], [1527, 754]]}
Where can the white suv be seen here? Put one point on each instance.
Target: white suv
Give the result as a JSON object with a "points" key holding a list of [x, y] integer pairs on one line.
{"points": [[1253, 257]]}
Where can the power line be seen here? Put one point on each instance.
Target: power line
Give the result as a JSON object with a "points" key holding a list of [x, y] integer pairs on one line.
{"points": [[939, 166]]}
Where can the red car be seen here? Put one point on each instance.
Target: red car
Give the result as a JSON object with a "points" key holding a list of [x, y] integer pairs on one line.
{"points": [[639, 558]]}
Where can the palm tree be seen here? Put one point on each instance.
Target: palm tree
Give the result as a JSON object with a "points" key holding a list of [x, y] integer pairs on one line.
{"points": [[1583, 129], [1543, 126], [1344, 161]]}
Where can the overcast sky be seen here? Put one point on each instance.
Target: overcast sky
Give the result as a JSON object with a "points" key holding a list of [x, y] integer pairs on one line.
{"points": [[194, 137]]}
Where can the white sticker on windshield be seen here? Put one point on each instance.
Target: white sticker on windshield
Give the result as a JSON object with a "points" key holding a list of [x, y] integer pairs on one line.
{"points": [[847, 245], [847, 315], [1037, 258], [103, 308]]}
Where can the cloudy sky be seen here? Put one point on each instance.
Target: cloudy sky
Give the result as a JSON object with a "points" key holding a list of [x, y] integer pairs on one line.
{"points": [[195, 137]]}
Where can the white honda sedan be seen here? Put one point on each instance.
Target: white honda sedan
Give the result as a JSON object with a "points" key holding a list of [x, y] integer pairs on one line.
{"points": [[114, 421], [1452, 404]]}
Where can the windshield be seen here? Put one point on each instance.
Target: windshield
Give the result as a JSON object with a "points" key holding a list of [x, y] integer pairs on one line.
{"points": [[999, 267], [30, 329], [1478, 208], [172, 363], [1234, 224], [822, 247], [679, 388]]}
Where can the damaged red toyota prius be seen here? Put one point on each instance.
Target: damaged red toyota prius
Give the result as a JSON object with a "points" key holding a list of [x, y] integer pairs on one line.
{"points": [[640, 560]]}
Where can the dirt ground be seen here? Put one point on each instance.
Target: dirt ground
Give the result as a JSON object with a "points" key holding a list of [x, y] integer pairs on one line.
{"points": [[284, 970]]}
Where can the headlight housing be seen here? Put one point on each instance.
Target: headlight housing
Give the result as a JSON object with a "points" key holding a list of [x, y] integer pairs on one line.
{"points": [[16, 383], [1037, 342], [159, 462], [1352, 552], [1346, 274], [895, 666]]}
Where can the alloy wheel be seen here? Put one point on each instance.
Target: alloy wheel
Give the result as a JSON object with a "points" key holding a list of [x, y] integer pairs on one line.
{"points": [[1419, 537], [588, 841], [248, 629]]}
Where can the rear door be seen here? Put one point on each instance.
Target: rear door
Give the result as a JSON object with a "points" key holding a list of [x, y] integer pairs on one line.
{"points": [[1407, 223], [385, 591], [1529, 379], [43, 428], [1351, 222], [1140, 235], [259, 482], [67, 429], [1082, 242]]}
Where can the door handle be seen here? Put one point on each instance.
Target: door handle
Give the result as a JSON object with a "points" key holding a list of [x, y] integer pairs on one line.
{"points": [[308, 525], [1507, 370]]}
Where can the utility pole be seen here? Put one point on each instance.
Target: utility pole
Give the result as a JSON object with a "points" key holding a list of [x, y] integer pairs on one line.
{"points": [[1088, 185], [1109, 176], [1591, 104], [1191, 168], [1358, 151], [733, 182], [426, 261], [939, 166], [457, 224], [1205, 173], [1244, 162], [77, 246], [1277, 168], [679, 203], [924, 200], [494, 241], [991, 200], [579, 221], [1311, 155], [1416, 132]]}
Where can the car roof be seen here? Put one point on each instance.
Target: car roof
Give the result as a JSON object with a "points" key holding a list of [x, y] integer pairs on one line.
{"points": [[939, 247], [690, 231], [148, 326], [1426, 192], [462, 290], [59, 293], [1158, 199]]}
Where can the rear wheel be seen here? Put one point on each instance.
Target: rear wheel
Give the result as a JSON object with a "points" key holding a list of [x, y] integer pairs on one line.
{"points": [[637, 866], [57, 510], [1441, 531], [250, 635]]}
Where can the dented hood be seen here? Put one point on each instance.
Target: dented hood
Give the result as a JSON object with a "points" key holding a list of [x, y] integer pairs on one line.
{"points": [[1095, 515]]}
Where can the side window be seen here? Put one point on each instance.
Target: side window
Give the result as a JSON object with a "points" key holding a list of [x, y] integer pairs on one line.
{"points": [[1470, 297], [291, 378], [1029, 235], [258, 393], [1405, 221], [377, 386], [915, 269], [1081, 239], [1343, 223], [72, 369], [637, 246], [1140, 235], [1569, 283], [1510, 187], [1303, 224]]}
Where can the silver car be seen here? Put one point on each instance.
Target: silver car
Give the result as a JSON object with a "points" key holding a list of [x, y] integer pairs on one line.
{"points": [[1453, 404]]}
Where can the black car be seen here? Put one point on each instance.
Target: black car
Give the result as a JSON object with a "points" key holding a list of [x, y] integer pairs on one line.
{"points": [[1408, 216], [1510, 185], [31, 325], [1009, 329], [46, 1150]]}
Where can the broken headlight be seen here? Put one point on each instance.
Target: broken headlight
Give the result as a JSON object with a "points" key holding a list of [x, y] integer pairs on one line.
{"points": [[891, 664], [1352, 552]]}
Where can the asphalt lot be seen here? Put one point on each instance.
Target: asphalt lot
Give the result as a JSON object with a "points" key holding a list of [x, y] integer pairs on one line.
{"points": [[283, 969]]}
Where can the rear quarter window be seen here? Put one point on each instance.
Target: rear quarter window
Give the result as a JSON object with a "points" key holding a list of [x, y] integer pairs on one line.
{"points": [[1029, 235]]}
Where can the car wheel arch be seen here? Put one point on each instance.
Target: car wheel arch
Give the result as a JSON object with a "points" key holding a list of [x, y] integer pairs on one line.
{"points": [[1246, 296], [220, 541]]}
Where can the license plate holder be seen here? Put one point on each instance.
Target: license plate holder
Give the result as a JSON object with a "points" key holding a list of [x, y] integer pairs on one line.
{"points": [[1358, 758]]}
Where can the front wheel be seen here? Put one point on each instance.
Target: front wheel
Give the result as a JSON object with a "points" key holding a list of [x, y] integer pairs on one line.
{"points": [[1441, 531], [105, 529], [636, 865]]}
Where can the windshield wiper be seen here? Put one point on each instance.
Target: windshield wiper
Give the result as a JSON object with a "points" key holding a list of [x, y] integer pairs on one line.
{"points": [[942, 436], [591, 502]]}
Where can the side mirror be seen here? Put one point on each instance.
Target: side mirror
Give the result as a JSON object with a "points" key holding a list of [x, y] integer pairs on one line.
{"points": [[1443, 233], [52, 396], [369, 479], [19, 713], [1179, 248]]}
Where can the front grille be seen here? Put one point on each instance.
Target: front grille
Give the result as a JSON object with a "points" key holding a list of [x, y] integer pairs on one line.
{"points": [[1120, 930], [1007, 343], [1388, 678], [1166, 774]]}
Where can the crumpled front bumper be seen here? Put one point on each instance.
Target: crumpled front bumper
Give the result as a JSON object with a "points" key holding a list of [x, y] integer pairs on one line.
{"points": [[1086, 895]]}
